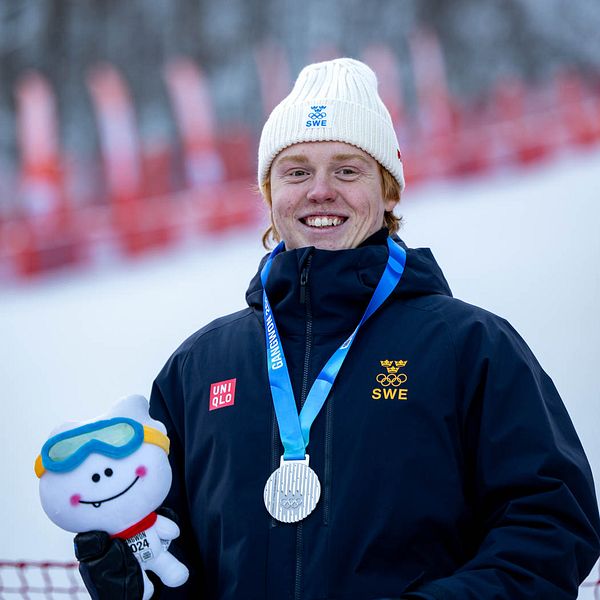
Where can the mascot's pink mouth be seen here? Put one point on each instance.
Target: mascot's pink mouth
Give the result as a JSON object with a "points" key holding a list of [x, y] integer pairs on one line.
{"points": [[97, 503]]}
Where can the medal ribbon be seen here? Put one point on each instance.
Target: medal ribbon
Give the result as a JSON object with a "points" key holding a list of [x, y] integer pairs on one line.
{"points": [[294, 428]]}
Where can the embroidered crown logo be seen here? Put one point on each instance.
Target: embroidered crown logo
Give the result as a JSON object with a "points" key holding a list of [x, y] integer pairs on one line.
{"points": [[393, 366], [318, 112], [391, 382]]}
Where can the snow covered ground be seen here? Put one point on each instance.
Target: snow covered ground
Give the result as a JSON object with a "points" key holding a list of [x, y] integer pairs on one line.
{"points": [[523, 244]]}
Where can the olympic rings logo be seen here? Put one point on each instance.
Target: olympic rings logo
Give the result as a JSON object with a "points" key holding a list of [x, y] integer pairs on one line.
{"points": [[293, 502], [393, 380]]}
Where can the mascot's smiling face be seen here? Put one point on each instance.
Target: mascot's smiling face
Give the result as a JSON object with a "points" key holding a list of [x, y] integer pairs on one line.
{"points": [[104, 492]]}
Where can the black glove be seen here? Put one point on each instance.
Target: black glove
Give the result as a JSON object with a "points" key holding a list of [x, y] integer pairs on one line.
{"points": [[165, 511], [108, 567]]}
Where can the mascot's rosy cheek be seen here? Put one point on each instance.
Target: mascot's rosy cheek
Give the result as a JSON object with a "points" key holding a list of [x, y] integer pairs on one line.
{"points": [[111, 474]]}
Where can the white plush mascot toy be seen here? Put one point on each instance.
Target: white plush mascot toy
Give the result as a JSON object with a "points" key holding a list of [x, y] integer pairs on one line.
{"points": [[111, 474]]}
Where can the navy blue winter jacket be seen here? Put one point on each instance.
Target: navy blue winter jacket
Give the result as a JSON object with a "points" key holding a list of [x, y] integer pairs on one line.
{"points": [[449, 466]]}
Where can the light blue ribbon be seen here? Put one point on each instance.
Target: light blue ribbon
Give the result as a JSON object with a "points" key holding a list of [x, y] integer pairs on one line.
{"points": [[294, 429]]}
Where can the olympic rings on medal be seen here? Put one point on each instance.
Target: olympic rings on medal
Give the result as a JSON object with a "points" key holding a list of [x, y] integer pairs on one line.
{"points": [[391, 379], [293, 502]]}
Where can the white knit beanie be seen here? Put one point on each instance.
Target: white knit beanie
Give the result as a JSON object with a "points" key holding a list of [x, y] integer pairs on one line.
{"points": [[335, 101]]}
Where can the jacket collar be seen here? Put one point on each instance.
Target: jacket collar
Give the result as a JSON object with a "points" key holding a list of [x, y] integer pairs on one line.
{"points": [[340, 284]]}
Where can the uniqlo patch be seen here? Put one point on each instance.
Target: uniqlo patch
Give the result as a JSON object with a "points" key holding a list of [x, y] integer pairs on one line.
{"points": [[222, 394]]}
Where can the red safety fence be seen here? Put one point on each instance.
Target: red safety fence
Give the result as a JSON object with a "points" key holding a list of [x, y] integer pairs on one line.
{"points": [[98, 233], [30, 580]]}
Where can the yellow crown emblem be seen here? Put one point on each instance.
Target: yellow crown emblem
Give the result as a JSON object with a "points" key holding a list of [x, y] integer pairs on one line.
{"points": [[392, 366]]}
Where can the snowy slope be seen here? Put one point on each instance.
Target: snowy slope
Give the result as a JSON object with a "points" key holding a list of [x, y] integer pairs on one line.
{"points": [[522, 244]]}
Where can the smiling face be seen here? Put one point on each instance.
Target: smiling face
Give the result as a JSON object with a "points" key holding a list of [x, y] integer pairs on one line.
{"points": [[105, 493], [327, 195]]}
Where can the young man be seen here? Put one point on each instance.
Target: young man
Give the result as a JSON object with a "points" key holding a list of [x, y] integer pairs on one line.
{"points": [[356, 432]]}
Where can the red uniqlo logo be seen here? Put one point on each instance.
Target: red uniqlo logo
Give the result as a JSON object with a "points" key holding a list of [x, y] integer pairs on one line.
{"points": [[222, 394]]}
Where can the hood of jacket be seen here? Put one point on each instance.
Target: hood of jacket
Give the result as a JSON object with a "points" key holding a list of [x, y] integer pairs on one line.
{"points": [[337, 285]]}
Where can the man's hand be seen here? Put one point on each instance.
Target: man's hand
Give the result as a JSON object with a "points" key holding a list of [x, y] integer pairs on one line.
{"points": [[108, 568]]}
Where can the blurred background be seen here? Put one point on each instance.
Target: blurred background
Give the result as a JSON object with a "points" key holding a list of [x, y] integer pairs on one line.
{"points": [[129, 216]]}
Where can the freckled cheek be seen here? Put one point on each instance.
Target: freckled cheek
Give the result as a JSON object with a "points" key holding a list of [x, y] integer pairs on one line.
{"points": [[74, 499], [283, 208], [141, 471]]}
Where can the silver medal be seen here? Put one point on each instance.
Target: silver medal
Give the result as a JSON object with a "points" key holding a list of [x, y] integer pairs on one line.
{"points": [[292, 491]]}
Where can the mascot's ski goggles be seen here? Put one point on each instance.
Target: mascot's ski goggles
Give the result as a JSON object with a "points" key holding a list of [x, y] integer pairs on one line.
{"points": [[117, 438]]}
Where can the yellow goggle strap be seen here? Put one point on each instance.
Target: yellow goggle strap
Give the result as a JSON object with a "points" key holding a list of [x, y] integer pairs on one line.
{"points": [[156, 437]]}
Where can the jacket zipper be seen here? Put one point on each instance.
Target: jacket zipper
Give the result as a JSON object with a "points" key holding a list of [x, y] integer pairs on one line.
{"points": [[304, 281], [304, 299]]}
